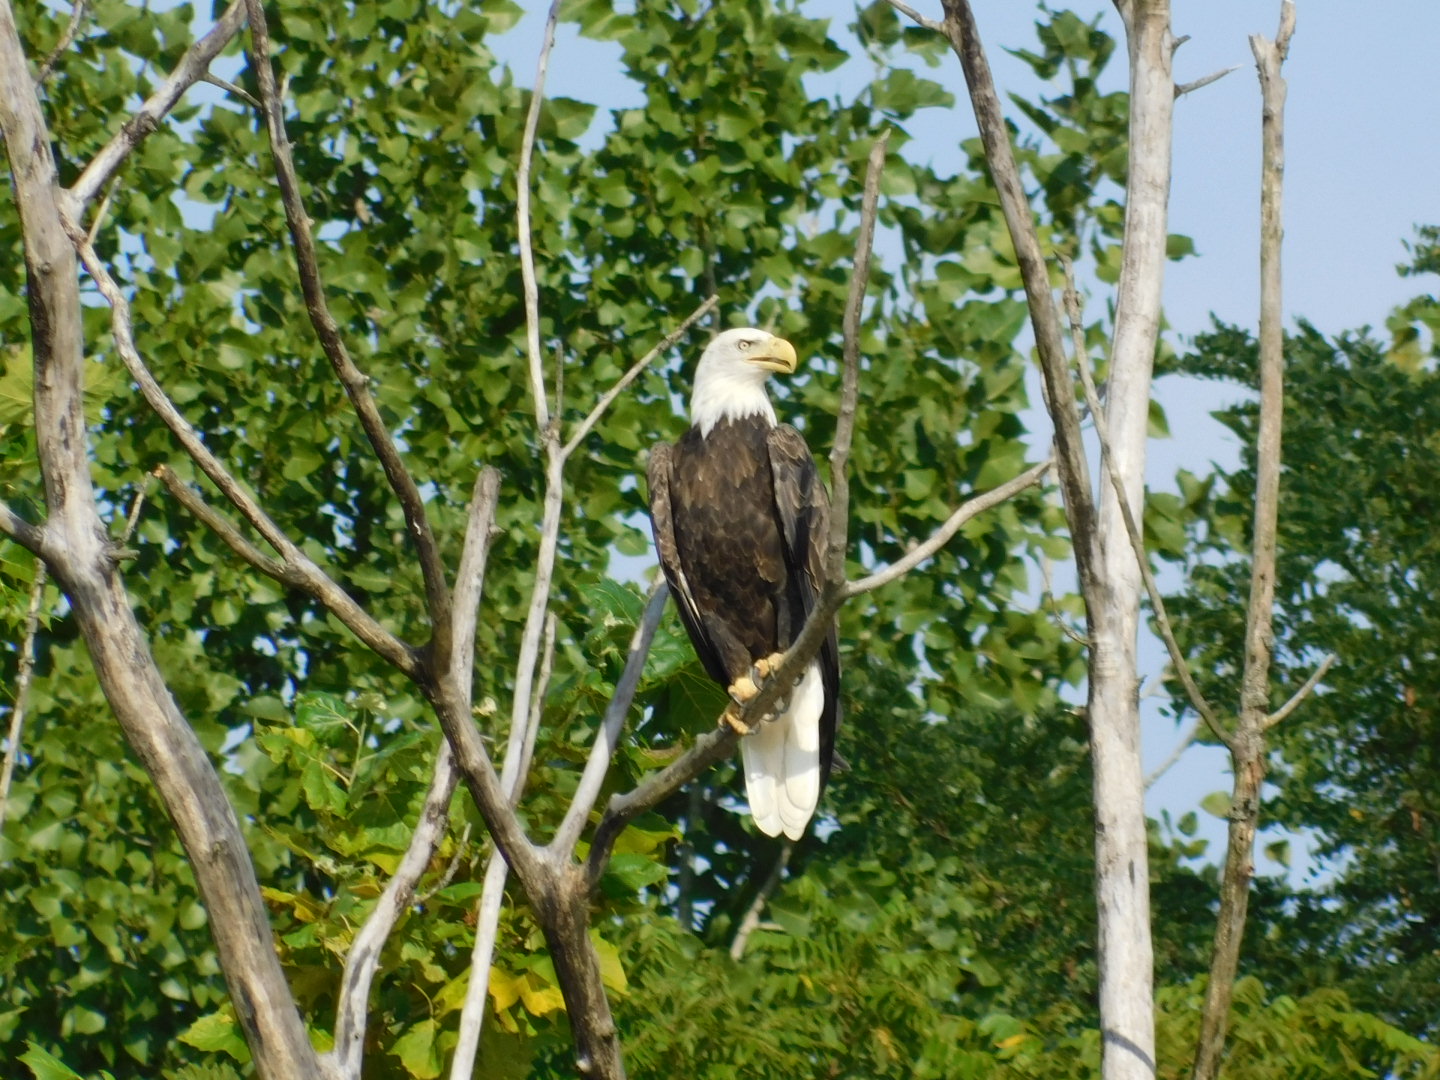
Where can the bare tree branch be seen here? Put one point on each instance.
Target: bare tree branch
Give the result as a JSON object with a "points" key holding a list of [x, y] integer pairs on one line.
{"points": [[230, 88], [607, 737], [191, 69], [30, 537], [364, 955], [1300, 695], [1132, 529], [470, 576], [537, 709], [1248, 752], [301, 572], [850, 380], [608, 398], [1215, 76], [941, 536], [919, 20], [522, 214], [23, 675], [363, 959], [482, 957], [1176, 754], [327, 331], [960, 30], [82, 562], [750, 921], [67, 38]]}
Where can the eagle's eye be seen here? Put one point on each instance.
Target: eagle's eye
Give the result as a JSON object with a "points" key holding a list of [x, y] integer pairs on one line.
{"points": [[744, 344]]}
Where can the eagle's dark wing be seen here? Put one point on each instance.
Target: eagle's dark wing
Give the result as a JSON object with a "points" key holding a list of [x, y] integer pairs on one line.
{"points": [[803, 509], [658, 475]]}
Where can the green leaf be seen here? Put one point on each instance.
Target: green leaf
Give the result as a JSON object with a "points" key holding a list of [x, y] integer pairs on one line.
{"points": [[45, 1066], [1217, 804]]}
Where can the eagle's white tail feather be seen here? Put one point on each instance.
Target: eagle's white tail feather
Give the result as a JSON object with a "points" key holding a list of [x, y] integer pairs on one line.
{"points": [[782, 762]]}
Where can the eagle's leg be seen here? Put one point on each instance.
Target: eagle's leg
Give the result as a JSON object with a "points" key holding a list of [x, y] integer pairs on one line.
{"points": [[746, 687]]}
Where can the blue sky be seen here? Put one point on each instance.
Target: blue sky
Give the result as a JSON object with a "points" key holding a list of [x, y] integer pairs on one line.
{"points": [[1362, 169]]}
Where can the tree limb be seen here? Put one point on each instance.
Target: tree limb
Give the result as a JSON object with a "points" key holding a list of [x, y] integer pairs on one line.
{"points": [[1249, 752], [327, 331], [67, 38], [941, 536], [522, 214], [300, 571], [919, 20], [1300, 695], [30, 537], [608, 398], [850, 380], [1132, 528], [364, 955], [83, 565], [191, 69], [750, 921], [363, 958], [1215, 76], [23, 676], [607, 737], [960, 30]]}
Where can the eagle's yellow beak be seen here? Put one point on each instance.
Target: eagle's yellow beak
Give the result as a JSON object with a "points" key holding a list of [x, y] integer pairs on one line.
{"points": [[777, 355]]}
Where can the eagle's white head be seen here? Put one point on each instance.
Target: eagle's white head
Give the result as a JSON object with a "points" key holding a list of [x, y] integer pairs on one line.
{"points": [[730, 379]]}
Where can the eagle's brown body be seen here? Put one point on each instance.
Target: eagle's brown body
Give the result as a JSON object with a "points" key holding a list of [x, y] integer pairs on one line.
{"points": [[740, 526]]}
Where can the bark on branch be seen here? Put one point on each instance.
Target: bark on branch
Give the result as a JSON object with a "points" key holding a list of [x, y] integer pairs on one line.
{"points": [[1248, 753], [327, 331], [82, 562]]}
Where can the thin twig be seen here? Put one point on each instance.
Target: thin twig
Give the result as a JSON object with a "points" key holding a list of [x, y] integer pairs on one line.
{"points": [[607, 737], [1132, 529], [133, 518], [1300, 695], [482, 957], [1215, 76], [850, 380], [190, 70], [77, 14], [941, 536], [1054, 608], [23, 677], [537, 709], [608, 398], [750, 921], [363, 958], [1176, 754], [522, 214], [327, 331], [230, 88], [98, 218], [916, 17]]}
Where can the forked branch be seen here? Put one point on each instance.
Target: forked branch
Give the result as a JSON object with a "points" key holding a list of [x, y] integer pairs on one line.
{"points": [[327, 331]]}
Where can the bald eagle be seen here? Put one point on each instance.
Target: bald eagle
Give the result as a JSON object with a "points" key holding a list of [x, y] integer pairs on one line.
{"points": [[739, 516]]}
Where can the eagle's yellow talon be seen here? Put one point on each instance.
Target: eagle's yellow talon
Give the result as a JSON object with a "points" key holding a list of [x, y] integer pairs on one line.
{"points": [[731, 718], [743, 689]]}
